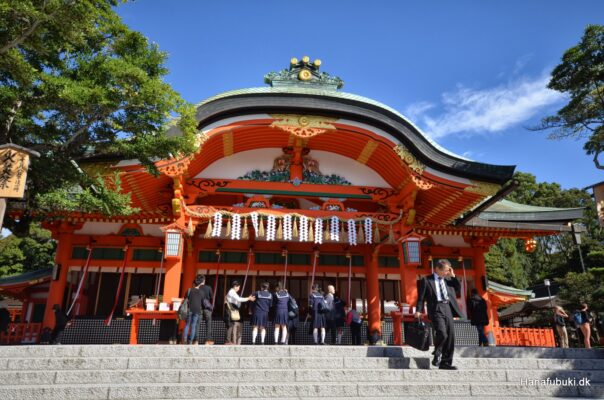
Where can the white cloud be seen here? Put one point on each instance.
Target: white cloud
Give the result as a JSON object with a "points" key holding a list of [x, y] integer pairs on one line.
{"points": [[415, 110], [479, 111]]}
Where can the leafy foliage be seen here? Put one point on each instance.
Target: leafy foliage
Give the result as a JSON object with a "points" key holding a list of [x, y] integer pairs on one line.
{"points": [[18, 255], [580, 288], [75, 83], [580, 75]]}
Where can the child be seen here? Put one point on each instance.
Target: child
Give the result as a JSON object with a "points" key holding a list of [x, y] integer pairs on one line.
{"points": [[316, 306], [264, 301], [281, 299]]}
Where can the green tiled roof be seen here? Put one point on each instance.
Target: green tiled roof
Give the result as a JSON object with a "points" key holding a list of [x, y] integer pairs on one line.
{"points": [[505, 210], [26, 276], [498, 287]]}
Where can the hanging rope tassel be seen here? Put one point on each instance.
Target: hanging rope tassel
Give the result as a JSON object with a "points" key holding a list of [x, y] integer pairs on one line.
{"points": [[260, 227], [361, 234], [280, 230], [119, 288], [314, 269], [376, 234], [209, 230], [391, 235], [84, 273], [246, 232], [311, 234], [295, 232], [228, 229], [342, 232]]}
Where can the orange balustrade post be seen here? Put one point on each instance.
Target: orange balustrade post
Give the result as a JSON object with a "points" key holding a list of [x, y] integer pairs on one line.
{"points": [[480, 272]]}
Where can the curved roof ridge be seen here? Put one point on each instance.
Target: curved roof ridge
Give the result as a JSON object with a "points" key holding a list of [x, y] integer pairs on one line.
{"points": [[328, 93]]}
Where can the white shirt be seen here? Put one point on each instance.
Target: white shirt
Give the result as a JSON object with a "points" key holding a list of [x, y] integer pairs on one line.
{"points": [[439, 295], [233, 298]]}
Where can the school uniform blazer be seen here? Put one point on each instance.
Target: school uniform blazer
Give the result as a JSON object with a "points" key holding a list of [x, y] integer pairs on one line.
{"points": [[427, 293]]}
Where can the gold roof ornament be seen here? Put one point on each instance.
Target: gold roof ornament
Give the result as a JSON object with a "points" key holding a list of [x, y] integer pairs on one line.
{"points": [[302, 73], [303, 126]]}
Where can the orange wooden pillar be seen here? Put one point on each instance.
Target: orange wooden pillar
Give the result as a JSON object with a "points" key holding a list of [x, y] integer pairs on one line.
{"points": [[172, 279], [480, 279], [408, 282], [188, 268], [373, 293], [56, 291]]}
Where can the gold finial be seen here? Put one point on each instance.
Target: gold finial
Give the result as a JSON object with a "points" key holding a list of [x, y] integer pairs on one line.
{"points": [[317, 63], [306, 59], [293, 61]]}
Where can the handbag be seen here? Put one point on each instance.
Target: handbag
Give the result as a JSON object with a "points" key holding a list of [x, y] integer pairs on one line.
{"points": [[233, 312], [418, 335]]}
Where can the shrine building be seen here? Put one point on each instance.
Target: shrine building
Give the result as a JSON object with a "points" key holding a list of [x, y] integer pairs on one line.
{"points": [[298, 182]]}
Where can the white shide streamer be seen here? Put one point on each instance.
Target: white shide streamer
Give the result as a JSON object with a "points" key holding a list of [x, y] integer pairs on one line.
{"points": [[368, 231], [236, 227], [270, 228], [217, 228], [254, 217], [334, 234], [287, 227], [303, 229], [318, 231], [352, 233]]}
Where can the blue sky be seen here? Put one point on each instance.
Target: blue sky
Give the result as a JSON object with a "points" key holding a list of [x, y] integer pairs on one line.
{"points": [[471, 74]]}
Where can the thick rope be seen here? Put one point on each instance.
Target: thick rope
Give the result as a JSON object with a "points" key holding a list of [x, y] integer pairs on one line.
{"points": [[250, 254], [216, 280], [119, 288], [82, 279]]}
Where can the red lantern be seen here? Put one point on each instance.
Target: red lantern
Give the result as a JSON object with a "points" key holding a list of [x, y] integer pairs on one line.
{"points": [[530, 245]]}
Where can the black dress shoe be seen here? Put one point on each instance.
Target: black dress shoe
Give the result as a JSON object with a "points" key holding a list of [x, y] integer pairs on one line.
{"points": [[436, 360], [446, 366]]}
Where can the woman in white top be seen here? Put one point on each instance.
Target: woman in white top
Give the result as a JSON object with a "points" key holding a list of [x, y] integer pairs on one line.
{"points": [[235, 328]]}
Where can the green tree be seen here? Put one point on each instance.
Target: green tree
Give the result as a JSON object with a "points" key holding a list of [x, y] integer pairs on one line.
{"points": [[75, 82], [580, 75], [579, 287], [556, 255], [18, 255]]}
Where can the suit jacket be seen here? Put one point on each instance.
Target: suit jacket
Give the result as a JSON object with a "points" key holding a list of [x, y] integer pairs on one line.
{"points": [[427, 293]]}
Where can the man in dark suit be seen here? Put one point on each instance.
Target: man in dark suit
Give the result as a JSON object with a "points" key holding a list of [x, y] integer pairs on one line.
{"points": [[440, 294]]}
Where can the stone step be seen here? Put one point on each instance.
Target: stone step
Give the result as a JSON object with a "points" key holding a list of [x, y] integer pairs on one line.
{"points": [[286, 351], [212, 363], [296, 390], [75, 377]]}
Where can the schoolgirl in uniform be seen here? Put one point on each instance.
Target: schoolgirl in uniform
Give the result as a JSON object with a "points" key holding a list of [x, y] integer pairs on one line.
{"points": [[281, 299], [315, 304], [263, 303]]}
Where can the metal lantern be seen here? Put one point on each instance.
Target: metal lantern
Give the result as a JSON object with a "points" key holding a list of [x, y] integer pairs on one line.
{"points": [[173, 243], [411, 245]]}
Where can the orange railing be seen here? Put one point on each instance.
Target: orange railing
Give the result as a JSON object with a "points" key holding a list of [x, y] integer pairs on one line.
{"points": [[21, 333], [527, 337]]}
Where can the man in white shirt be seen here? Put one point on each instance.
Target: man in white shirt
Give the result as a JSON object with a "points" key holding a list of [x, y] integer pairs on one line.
{"points": [[440, 294], [235, 328]]}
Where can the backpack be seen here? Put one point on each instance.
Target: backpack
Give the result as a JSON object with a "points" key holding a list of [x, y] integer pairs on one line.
{"points": [[578, 317], [324, 307], [292, 307], [183, 311]]}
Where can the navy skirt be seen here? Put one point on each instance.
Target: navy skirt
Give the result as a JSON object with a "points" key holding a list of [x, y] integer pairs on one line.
{"points": [[281, 317], [260, 319], [318, 321]]}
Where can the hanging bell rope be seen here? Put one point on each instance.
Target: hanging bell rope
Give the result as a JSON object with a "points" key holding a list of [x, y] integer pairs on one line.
{"points": [[216, 280], [119, 288], [284, 254], [250, 254], [82, 279]]}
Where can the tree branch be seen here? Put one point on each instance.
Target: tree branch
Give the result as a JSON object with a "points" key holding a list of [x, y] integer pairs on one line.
{"points": [[596, 161], [9, 121]]}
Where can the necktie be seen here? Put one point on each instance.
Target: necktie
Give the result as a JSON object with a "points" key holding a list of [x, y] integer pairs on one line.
{"points": [[443, 290]]}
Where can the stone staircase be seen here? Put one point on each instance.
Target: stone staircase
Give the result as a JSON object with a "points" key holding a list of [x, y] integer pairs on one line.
{"points": [[291, 372]]}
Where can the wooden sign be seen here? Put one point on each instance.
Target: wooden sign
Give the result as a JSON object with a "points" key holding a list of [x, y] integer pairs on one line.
{"points": [[14, 161]]}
